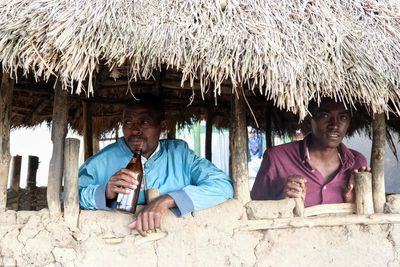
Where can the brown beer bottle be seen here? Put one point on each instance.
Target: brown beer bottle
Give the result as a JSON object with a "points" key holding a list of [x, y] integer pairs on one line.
{"points": [[128, 202]]}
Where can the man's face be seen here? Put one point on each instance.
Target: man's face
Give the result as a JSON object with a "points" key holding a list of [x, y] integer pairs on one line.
{"points": [[329, 124], [142, 129]]}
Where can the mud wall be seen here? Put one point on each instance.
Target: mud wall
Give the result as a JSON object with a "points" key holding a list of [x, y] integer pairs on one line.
{"points": [[208, 238]]}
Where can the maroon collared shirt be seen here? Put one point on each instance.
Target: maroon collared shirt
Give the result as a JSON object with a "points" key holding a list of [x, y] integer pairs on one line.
{"points": [[290, 159]]}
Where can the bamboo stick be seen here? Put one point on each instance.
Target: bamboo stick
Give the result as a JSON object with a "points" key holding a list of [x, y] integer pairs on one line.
{"points": [[6, 92], [71, 165], [238, 149], [58, 134], [377, 161]]}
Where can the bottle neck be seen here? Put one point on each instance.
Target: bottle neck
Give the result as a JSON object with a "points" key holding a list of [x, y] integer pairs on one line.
{"points": [[137, 153]]}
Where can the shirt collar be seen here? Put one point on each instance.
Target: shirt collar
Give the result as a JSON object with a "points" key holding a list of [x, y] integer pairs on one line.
{"points": [[152, 154], [342, 151]]}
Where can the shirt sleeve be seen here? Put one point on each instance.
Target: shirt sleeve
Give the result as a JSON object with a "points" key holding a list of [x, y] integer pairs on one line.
{"points": [[209, 186], [268, 184], [91, 191]]}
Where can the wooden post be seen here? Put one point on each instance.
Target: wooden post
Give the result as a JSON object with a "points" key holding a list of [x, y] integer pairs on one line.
{"points": [[87, 129], [58, 133], [363, 189], [208, 142], [6, 91], [15, 179], [377, 161], [268, 126], [171, 130], [196, 138], [71, 166], [16, 173], [33, 164], [96, 143], [299, 208], [238, 149]]}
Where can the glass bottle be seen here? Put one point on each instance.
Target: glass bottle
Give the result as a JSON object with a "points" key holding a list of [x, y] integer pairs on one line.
{"points": [[128, 202]]}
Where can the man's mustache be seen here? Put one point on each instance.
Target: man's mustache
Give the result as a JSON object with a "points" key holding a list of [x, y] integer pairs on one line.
{"points": [[136, 139]]}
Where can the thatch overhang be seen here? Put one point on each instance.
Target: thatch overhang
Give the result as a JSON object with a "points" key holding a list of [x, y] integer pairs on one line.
{"points": [[284, 53]]}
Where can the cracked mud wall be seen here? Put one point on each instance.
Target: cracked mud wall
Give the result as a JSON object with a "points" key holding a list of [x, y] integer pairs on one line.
{"points": [[206, 238]]}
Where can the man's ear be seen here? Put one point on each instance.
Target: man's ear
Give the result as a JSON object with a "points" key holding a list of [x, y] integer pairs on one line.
{"points": [[163, 125]]}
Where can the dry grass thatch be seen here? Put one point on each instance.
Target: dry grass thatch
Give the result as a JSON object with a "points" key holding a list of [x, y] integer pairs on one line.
{"points": [[289, 51]]}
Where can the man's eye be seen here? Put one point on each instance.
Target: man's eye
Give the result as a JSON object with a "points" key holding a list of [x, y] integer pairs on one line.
{"points": [[344, 117], [323, 115]]}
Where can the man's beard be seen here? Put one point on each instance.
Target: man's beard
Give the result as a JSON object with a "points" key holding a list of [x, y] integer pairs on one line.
{"points": [[137, 142]]}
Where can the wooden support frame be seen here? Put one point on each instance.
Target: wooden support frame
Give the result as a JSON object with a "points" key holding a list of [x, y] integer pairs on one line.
{"points": [[58, 134], [6, 92], [238, 149], [377, 161]]}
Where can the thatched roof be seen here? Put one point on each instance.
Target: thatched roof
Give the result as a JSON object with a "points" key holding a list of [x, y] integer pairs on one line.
{"points": [[285, 52]]}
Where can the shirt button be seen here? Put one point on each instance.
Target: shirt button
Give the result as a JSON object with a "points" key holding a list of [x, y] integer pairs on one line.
{"points": [[325, 187]]}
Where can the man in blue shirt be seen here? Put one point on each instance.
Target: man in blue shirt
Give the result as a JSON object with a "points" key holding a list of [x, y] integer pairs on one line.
{"points": [[186, 182]]}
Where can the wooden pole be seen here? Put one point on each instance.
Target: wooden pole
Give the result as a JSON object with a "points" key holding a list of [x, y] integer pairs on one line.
{"points": [[58, 133], [268, 126], [238, 149], [318, 221], [208, 142], [96, 143], [377, 161], [363, 189], [88, 129], [171, 130], [196, 137], [299, 209], [15, 179], [16, 173], [6, 91], [71, 166], [33, 164]]}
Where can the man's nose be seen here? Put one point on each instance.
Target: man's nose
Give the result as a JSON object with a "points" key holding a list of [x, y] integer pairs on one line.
{"points": [[135, 129], [334, 122]]}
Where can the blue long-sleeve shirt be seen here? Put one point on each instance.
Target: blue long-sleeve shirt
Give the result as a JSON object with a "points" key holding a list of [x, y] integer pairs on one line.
{"points": [[194, 183]]}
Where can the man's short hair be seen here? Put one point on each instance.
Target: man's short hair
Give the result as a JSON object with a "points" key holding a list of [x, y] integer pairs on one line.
{"points": [[313, 105], [149, 101]]}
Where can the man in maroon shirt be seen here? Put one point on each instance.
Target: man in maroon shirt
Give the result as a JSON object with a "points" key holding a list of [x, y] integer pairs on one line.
{"points": [[320, 168]]}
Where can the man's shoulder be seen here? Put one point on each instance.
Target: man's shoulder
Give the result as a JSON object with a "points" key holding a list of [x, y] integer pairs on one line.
{"points": [[357, 155], [173, 144], [292, 147], [351, 155]]}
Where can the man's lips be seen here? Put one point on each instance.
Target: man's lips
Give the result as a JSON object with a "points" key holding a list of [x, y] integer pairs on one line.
{"points": [[333, 135], [136, 142]]}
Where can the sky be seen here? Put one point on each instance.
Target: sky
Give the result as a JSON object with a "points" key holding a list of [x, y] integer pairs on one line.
{"points": [[34, 142]]}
